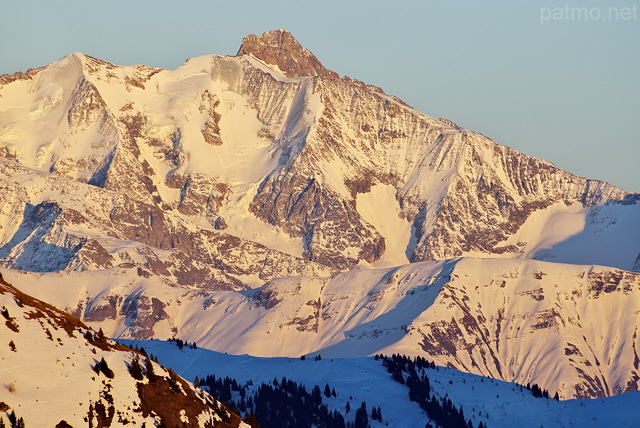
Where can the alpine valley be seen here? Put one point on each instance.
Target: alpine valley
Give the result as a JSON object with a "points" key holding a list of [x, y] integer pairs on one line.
{"points": [[261, 204]]}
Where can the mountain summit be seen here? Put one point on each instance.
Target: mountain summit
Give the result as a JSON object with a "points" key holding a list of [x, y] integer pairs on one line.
{"points": [[280, 48]]}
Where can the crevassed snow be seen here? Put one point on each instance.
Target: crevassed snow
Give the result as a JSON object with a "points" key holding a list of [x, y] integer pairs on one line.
{"points": [[242, 157], [173, 111], [27, 126]]}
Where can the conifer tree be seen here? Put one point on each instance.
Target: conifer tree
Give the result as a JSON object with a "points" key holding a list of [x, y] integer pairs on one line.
{"points": [[250, 419], [148, 367], [327, 391], [315, 395], [135, 369], [104, 368], [361, 419]]}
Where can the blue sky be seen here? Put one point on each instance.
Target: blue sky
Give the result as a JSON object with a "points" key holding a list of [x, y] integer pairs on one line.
{"points": [[555, 79]]}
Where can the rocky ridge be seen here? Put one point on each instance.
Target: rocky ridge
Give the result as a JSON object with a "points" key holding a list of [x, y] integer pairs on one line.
{"points": [[48, 216]]}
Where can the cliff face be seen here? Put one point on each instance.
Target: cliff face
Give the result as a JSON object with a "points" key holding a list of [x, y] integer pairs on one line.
{"points": [[54, 224], [461, 193]]}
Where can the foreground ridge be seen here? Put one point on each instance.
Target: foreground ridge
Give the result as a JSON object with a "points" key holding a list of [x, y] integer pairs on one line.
{"points": [[46, 352]]}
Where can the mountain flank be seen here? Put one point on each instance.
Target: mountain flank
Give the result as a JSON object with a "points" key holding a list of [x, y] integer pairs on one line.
{"points": [[58, 372]]}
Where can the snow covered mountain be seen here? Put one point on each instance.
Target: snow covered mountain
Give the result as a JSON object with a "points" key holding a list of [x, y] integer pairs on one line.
{"points": [[169, 169], [241, 201], [57, 372], [568, 328]]}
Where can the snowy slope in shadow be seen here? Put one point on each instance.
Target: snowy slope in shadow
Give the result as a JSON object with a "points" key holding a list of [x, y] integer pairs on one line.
{"points": [[501, 404]]}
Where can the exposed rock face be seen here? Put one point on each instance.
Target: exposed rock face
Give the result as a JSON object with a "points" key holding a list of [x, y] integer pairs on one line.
{"points": [[463, 193], [542, 326], [280, 48], [201, 195], [125, 230], [332, 228], [142, 314]]}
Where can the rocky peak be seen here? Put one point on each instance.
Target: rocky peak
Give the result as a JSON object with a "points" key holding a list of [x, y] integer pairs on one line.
{"points": [[280, 48]]}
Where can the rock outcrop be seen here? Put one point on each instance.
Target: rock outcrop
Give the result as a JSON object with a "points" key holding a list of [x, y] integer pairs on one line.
{"points": [[281, 49]]}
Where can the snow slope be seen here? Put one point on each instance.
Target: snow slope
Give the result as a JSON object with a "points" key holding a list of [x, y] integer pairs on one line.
{"points": [[518, 320], [380, 208], [501, 404], [607, 234], [47, 371]]}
